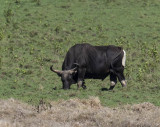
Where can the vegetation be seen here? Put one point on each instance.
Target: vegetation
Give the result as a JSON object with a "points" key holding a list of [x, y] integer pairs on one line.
{"points": [[35, 34], [78, 113]]}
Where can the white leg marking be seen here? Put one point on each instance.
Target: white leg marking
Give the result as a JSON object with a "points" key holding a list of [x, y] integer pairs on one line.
{"points": [[113, 83], [123, 82], [124, 58]]}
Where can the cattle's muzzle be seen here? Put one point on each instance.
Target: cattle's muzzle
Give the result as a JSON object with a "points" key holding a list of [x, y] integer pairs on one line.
{"points": [[66, 86]]}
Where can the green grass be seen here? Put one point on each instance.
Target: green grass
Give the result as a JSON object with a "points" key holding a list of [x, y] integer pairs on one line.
{"points": [[35, 34]]}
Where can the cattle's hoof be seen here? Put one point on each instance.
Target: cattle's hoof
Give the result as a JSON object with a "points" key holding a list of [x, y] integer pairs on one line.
{"points": [[84, 87], [124, 86]]}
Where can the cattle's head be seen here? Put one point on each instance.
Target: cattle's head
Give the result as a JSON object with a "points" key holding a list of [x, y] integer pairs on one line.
{"points": [[66, 76]]}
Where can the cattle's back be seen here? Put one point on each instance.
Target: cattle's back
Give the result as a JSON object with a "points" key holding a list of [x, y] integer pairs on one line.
{"points": [[91, 57], [76, 54]]}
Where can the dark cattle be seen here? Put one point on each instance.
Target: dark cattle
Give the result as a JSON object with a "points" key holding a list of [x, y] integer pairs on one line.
{"points": [[84, 61]]}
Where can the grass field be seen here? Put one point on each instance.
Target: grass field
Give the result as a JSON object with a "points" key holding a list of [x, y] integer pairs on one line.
{"points": [[35, 34]]}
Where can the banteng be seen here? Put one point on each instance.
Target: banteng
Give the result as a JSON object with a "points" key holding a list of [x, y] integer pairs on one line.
{"points": [[85, 61]]}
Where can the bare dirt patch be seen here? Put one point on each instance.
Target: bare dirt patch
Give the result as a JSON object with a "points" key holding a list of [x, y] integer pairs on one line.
{"points": [[77, 113]]}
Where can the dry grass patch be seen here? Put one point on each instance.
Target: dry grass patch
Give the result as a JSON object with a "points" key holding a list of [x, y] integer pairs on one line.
{"points": [[78, 113]]}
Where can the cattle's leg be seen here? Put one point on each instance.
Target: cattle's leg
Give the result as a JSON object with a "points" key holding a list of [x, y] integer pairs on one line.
{"points": [[121, 78], [113, 79], [79, 84], [84, 86], [81, 74]]}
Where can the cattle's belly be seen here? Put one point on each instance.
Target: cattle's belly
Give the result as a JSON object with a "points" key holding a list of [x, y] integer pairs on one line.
{"points": [[96, 76]]}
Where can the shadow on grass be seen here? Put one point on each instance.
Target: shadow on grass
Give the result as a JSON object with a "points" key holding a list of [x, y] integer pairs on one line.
{"points": [[105, 89]]}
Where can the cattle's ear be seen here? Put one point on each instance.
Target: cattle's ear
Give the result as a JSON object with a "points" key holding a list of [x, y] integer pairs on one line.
{"points": [[73, 71]]}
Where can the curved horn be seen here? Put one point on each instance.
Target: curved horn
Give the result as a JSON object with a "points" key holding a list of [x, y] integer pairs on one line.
{"points": [[74, 70], [56, 71]]}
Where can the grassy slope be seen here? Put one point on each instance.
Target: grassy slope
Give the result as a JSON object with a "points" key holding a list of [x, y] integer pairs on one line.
{"points": [[37, 36]]}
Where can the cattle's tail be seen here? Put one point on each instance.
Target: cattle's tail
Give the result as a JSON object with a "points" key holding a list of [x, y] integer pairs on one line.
{"points": [[116, 59], [124, 58]]}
